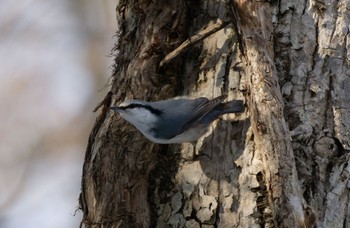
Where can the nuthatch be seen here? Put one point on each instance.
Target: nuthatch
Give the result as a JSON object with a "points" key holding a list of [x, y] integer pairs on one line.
{"points": [[176, 120]]}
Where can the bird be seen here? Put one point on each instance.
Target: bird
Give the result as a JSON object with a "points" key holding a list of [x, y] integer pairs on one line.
{"points": [[176, 120]]}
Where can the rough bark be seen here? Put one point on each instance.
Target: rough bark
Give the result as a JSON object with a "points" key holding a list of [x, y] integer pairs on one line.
{"points": [[118, 158], [312, 56], [279, 201], [283, 163]]}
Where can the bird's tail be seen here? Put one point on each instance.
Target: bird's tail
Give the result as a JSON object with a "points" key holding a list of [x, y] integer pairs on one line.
{"points": [[234, 106]]}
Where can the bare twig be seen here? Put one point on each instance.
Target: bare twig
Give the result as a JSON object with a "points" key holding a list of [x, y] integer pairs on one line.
{"points": [[193, 40], [105, 103]]}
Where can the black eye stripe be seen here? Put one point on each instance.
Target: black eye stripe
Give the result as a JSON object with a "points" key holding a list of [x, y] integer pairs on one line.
{"points": [[149, 108]]}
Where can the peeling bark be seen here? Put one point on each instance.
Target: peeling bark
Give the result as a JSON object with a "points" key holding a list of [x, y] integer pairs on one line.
{"points": [[312, 48], [283, 163]]}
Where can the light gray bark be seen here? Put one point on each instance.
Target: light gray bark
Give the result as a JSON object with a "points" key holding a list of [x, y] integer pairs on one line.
{"points": [[283, 163], [312, 51]]}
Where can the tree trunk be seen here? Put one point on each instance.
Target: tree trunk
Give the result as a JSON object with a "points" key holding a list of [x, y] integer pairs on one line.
{"points": [[283, 163]]}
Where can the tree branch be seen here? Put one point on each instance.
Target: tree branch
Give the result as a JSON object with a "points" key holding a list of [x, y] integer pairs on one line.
{"points": [[193, 40]]}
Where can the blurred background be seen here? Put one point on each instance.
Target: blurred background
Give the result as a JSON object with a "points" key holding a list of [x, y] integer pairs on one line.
{"points": [[54, 67]]}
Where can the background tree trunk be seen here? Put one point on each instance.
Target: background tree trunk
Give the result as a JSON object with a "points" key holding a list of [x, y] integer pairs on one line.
{"points": [[283, 163]]}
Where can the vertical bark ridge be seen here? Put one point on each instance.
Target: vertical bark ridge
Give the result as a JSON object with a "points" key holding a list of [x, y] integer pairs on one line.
{"points": [[284, 206]]}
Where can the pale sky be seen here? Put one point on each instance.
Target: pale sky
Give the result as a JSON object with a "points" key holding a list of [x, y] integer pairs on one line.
{"points": [[48, 90]]}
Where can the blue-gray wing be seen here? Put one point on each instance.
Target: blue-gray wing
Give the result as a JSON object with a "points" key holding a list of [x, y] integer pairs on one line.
{"points": [[182, 114]]}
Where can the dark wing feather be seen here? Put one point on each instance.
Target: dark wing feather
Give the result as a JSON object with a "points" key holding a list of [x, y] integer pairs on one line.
{"points": [[176, 119], [200, 111]]}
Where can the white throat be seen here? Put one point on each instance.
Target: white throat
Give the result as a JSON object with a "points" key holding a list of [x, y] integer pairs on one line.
{"points": [[141, 118]]}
